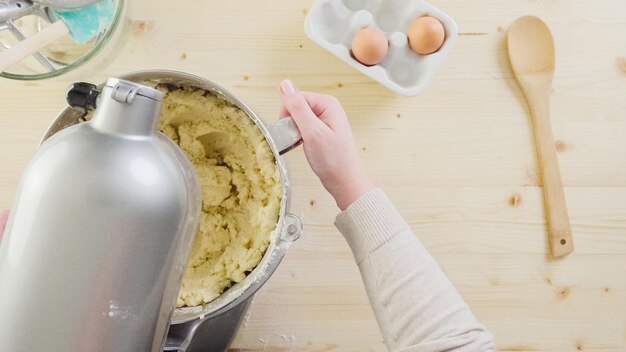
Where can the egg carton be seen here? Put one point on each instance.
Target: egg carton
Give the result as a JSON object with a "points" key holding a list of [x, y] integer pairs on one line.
{"points": [[333, 23]]}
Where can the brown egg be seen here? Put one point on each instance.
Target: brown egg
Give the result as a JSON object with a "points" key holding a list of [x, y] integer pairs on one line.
{"points": [[426, 35], [370, 46]]}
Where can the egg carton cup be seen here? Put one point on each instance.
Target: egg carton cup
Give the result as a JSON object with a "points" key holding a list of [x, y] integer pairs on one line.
{"points": [[333, 23]]}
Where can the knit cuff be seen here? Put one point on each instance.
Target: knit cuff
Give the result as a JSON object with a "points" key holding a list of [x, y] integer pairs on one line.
{"points": [[369, 222]]}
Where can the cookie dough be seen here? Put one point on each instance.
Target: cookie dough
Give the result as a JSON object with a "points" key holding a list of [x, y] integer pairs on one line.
{"points": [[241, 190]]}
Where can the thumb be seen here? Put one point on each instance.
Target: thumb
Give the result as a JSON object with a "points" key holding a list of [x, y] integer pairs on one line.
{"points": [[296, 105]]}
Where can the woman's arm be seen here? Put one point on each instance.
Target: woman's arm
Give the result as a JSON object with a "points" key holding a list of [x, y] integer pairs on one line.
{"points": [[416, 306]]}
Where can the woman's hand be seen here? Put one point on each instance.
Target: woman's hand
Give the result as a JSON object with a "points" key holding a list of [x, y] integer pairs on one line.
{"points": [[4, 217], [328, 142]]}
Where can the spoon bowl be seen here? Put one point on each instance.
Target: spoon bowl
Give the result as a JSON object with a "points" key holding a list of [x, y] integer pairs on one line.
{"points": [[531, 50]]}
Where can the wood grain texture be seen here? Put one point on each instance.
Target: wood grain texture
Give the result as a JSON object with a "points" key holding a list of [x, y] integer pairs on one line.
{"points": [[458, 161]]}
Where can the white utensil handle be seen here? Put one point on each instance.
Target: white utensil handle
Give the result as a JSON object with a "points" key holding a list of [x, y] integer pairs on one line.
{"points": [[32, 44]]}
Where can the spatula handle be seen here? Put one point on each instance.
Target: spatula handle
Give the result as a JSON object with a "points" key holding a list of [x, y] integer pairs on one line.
{"points": [[560, 233], [32, 44]]}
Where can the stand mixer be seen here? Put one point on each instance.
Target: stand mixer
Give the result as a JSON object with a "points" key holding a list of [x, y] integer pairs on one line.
{"points": [[93, 254]]}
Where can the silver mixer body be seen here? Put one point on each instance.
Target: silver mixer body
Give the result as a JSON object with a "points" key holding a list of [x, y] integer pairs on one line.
{"points": [[99, 233]]}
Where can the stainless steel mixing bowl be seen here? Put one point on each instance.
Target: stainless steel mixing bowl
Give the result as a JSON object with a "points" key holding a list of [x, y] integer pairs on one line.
{"points": [[281, 137]]}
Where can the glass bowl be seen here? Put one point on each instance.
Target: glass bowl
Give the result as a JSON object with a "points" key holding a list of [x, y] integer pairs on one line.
{"points": [[64, 55]]}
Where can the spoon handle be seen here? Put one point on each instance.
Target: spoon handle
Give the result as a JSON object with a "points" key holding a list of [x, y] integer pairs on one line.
{"points": [[560, 233]]}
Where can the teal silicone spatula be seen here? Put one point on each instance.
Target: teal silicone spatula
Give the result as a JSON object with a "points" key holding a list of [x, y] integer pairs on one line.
{"points": [[82, 24]]}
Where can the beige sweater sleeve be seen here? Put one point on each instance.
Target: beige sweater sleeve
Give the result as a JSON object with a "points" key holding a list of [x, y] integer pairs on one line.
{"points": [[416, 306]]}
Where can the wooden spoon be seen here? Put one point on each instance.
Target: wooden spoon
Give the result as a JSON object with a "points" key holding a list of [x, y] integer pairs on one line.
{"points": [[531, 51]]}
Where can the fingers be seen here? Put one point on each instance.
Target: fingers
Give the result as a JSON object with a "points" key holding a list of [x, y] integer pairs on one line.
{"points": [[323, 107], [320, 103], [283, 112], [326, 107], [315, 101], [296, 105]]}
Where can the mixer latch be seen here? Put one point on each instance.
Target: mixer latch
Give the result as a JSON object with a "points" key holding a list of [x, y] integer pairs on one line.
{"points": [[82, 96]]}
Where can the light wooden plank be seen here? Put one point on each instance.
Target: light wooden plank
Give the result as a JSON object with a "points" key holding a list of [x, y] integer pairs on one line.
{"points": [[458, 163]]}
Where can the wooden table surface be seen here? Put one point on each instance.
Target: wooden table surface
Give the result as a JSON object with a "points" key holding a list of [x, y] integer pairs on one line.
{"points": [[458, 161]]}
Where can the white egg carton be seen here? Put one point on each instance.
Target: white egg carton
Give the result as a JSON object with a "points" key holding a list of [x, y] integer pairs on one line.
{"points": [[333, 23]]}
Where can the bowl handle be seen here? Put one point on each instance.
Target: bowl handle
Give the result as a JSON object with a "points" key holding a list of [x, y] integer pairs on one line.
{"points": [[285, 135]]}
